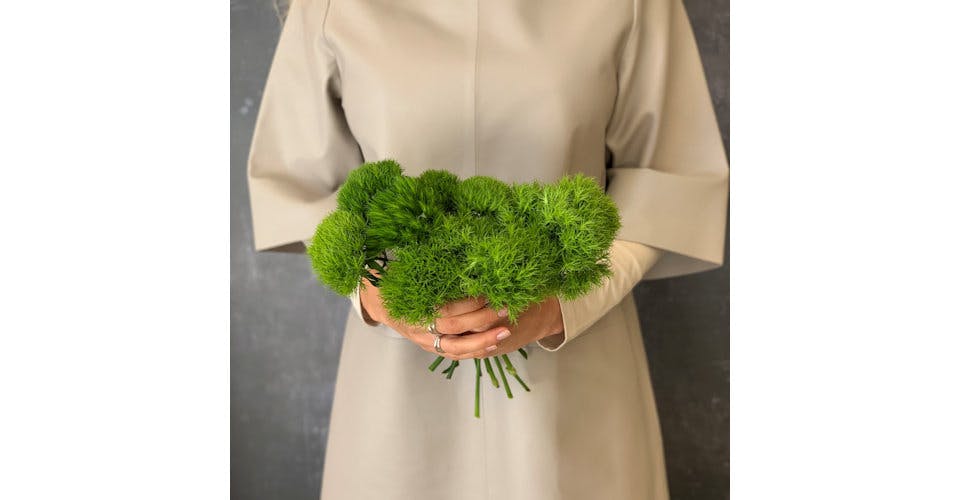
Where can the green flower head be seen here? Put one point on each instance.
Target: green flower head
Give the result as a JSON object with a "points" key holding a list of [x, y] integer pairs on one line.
{"points": [[337, 251], [364, 182], [484, 197], [406, 212], [573, 284], [440, 187], [583, 219], [528, 203], [423, 277], [513, 268]]}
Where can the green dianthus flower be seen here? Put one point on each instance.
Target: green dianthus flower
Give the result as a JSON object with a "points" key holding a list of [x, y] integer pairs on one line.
{"points": [[512, 268], [405, 213], [422, 277], [364, 182], [484, 197], [337, 251], [583, 219]]}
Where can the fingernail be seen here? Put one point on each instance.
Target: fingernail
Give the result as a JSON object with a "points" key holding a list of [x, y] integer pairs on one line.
{"points": [[492, 347], [502, 313], [504, 334]]}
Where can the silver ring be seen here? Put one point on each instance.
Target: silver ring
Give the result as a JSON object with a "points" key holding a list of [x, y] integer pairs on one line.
{"points": [[432, 329]]}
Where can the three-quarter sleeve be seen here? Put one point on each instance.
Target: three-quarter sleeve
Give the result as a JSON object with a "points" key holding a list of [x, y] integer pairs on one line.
{"points": [[302, 148], [668, 173]]}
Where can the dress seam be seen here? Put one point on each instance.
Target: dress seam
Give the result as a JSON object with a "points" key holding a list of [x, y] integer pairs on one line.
{"points": [[639, 362], [476, 92], [476, 171], [630, 338], [323, 24], [483, 437]]}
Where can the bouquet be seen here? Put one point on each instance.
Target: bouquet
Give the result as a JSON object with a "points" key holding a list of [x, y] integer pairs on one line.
{"points": [[434, 238]]}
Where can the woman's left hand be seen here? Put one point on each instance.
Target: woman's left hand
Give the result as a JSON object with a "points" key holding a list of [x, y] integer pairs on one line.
{"points": [[537, 322]]}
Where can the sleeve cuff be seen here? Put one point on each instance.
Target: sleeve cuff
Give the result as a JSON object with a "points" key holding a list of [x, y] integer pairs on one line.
{"points": [[358, 307], [685, 215]]}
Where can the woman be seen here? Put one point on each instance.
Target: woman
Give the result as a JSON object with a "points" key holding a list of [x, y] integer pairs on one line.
{"points": [[520, 91]]}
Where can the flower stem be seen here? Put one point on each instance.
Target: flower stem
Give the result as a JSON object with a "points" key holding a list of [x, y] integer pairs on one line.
{"points": [[433, 366], [513, 371], [506, 385], [493, 378], [453, 366], [372, 279], [376, 265], [476, 390]]}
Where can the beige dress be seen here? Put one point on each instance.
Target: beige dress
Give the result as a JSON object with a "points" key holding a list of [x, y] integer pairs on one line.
{"points": [[521, 91]]}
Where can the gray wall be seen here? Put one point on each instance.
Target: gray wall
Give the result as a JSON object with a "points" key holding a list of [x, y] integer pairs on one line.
{"points": [[286, 330]]}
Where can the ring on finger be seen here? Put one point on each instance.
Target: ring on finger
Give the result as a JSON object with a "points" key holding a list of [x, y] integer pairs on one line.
{"points": [[432, 330]]}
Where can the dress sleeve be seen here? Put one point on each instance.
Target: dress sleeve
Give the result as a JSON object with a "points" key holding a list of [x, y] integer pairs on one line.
{"points": [[629, 262], [668, 171], [358, 308], [302, 148]]}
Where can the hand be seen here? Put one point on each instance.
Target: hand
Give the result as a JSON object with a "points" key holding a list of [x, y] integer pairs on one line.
{"points": [[458, 340], [537, 322]]}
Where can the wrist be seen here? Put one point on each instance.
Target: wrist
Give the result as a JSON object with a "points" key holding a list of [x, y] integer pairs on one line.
{"points": [[554, 323], [369, 314]]}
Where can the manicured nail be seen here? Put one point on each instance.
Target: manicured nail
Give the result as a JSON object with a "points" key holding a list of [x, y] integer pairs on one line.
{"points": [[502, 313], [504, 334], [492, 347]]}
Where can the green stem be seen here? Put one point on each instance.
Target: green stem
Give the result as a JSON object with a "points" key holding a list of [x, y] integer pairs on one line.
{"points": [[523, 353], [375, 281], [506, 385], [476, 390], [453, 366], [376, 265], [493, 378], [513, 371], [433, 366]]}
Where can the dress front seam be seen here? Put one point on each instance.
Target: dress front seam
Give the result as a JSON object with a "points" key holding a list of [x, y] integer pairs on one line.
{"points": [[476, 171], [476, 92]]}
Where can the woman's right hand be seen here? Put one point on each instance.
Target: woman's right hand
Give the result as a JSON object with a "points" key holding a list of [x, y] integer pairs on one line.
{"points": [[470, 329]]}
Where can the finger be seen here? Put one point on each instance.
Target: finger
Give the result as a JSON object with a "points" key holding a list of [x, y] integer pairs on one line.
{"points": [[487, 326], [480, 354], [488, 351], [505, 347], [416, 335], [471, 321], [462, 306], [460, 345], [425, 340]]}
